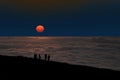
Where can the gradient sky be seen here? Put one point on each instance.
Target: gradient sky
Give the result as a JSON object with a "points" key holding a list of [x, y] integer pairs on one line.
{"points": [[60, 17]]}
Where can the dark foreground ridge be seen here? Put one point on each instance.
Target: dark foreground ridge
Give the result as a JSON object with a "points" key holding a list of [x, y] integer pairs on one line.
{"points": [[24, 65]]}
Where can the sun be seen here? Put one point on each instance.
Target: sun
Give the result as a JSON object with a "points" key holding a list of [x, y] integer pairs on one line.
{"points": [[40, 28]]}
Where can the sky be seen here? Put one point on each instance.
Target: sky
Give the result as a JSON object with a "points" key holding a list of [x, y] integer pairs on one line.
{"points": [[60, 17]]}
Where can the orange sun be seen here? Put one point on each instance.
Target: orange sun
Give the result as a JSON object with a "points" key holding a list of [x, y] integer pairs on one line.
{"points": [[40, 28]]}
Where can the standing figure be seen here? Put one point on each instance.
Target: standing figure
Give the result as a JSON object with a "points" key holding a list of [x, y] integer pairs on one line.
{"points": [[45, 57], [35, 56], [48, 57], [39, 57]]}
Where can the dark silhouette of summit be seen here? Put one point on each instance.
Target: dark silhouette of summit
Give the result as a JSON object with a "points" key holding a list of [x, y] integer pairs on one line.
{"points": [[38, 67]]}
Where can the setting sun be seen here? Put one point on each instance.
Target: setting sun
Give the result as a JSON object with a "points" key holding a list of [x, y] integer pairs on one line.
{"points": [[40, 28]]}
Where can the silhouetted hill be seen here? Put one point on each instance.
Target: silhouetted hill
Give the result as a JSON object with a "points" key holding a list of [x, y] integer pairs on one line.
{"points": [[23, 65]]}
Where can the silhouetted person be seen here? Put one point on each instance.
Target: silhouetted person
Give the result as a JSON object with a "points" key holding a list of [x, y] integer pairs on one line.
{"points": [[35, 56], [39, 57], [48, 57], [45, 57]]}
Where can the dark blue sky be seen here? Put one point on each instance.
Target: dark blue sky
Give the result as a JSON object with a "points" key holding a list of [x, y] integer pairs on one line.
{"points": [[60, 18]]}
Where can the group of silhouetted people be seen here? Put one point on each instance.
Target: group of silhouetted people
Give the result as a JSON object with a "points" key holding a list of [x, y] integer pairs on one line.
{"points": [[46, 57]]}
